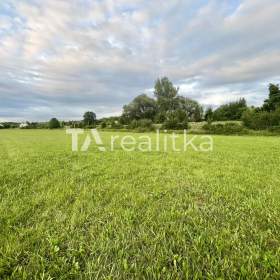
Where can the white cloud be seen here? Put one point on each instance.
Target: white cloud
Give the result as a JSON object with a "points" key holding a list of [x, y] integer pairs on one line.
{"points": [[67, 56]]}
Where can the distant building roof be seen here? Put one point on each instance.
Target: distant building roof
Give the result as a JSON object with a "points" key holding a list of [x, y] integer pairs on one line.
{"points": [[23, 125]]}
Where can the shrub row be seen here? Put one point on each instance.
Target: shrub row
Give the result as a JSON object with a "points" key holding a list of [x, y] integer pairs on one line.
{"points": [[260, 120], [225, 129]]}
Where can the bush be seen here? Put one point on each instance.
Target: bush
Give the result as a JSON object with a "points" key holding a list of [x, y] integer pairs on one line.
{"points": [[145, 124], [54, 123], [159, 118], [176, 120], [6, 125], [275, 129], [133, 124], [173, 124], [225, 129], [103, 125], [116, 125], [260, 120], [231, 111], [91, 126]]}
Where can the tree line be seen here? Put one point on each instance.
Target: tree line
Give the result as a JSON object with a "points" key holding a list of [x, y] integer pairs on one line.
{"points": [[167, 107], [175, 111], [171, 110], [268, 115]]}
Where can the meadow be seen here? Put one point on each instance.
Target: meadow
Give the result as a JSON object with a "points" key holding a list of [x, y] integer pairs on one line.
{"points": [[138, 215]]}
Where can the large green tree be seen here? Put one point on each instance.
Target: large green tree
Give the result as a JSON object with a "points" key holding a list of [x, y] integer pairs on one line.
{"points": [[89, 118], [166, 95], [142, 107], [268, 116], [273, 101], [167, 108], [168, 101], [192, 108], [230, 111]]}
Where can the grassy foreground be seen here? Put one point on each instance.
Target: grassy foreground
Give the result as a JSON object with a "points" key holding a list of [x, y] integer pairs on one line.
{"points": [[119, 215]]}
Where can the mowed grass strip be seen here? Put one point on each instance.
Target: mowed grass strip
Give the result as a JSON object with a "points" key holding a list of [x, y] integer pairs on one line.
{"points": [[153, 215]]}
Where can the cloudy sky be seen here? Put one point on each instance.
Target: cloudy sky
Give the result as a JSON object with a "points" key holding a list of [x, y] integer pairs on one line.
{"points": [[63, 57]]}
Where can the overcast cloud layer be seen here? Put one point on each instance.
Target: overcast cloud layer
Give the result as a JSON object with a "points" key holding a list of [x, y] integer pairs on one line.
{"points": [[60, 58]]}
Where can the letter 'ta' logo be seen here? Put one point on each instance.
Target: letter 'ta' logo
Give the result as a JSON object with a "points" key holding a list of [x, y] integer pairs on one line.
{"points": [[96, 136], [93, 135]]}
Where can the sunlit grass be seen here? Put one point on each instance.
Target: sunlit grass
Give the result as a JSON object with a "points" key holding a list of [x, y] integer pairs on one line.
{"points": [[153, 215]]}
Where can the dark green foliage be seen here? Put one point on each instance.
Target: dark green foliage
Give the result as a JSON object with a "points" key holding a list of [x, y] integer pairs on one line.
{"points": [[142, 107], [176, 120], [273, 101], [75, 124], [141, 124], [33, 125], [5, 125], [116, 125], [145, 123], [103, 125], [231, 111], [54, 123], [209, 114], [39, 125], [160, 117], [89, 119], [267, 117], [166, 95], [168, 101], [133, 124], [111, 122], [192, 108], [224, 129], [167, 105], [173, 124], [42, 125], [259, 120], [274, 129], [36, 125]]}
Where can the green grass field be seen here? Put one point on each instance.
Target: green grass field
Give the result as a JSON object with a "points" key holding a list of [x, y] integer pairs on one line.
{"points": [[154, 215]]}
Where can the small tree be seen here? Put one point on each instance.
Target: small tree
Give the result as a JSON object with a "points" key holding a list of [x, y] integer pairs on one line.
{"points": [[103, 124], [209, 115], [54, 123], [89, 118]]}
